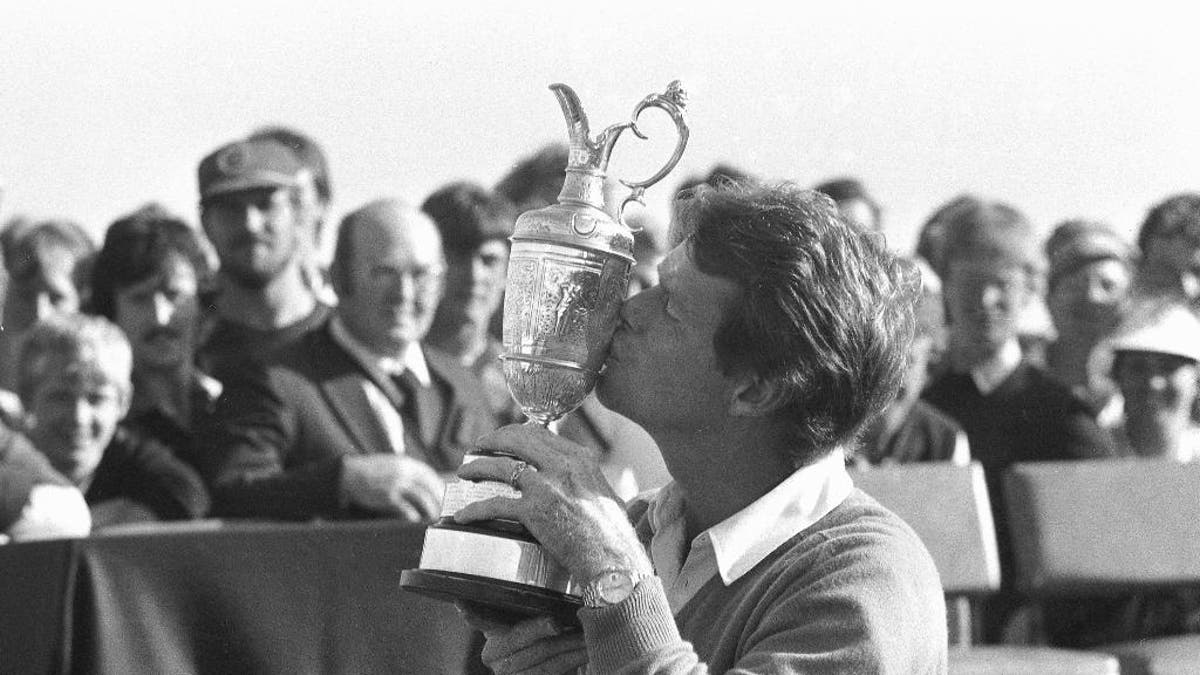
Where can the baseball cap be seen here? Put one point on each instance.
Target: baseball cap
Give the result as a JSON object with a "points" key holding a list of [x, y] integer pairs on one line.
{"points": [[1077, 243], [248, 165]]}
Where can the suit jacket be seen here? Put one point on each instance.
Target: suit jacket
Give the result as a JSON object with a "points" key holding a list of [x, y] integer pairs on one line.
{"points": [[274, 445]]}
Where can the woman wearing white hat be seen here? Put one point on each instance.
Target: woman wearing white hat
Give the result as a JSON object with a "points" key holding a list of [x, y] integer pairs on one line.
{"points": [[1156, 365]]}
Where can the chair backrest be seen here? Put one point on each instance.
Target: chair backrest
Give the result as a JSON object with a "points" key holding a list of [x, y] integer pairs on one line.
{"points": [[1108, 525], [947, 505]]}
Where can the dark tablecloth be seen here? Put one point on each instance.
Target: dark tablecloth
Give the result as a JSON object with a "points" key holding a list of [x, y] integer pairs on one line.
{"points": [[226, 598]]}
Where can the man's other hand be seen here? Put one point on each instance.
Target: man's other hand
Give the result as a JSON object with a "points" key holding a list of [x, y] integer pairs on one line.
{"points": [[394, 485], [537, 646]]}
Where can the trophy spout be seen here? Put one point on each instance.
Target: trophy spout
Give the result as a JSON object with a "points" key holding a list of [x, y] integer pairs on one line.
{"points": [[578, 131], [587, 157]]}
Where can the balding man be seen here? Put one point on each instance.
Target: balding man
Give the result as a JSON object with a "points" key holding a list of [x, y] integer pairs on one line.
{"points": [[357, 418]]}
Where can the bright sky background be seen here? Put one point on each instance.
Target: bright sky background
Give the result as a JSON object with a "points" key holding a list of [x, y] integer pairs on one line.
{"points": [[1064, 110]]}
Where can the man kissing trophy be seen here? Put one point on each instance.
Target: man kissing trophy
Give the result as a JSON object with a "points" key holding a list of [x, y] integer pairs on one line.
{"points": [[568, 274]]}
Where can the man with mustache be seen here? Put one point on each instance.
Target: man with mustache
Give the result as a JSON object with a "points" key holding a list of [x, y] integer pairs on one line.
{"points": [[357, 418], [253, 211], [148, 279]]}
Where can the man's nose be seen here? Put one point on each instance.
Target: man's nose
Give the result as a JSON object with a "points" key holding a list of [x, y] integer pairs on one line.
{"points": [[991, 297], [478, 269], [1190, 283], [1157, 382], [45, 307], [254, 219], [82, 413], [1097, 294], [402, 285], [164, 309]]}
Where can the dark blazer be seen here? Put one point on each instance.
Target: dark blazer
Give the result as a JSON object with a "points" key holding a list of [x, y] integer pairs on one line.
{"points": [[273, 447]]}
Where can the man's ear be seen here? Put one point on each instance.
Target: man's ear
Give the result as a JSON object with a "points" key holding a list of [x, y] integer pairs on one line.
{"points": [[754, 396]]}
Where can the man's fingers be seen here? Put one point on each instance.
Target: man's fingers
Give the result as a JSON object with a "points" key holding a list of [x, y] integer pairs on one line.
{"points": [[406, 511], [532, 443], [511, 639], [487, 619], [421, 504], [488, 468], [565, 662], [489, 509], [551, 654]]}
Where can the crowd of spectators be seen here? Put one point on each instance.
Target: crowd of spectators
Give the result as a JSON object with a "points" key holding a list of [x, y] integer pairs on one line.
{"points": [[178, 373]]}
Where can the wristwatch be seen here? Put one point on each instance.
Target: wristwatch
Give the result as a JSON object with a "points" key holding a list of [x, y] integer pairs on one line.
{"points": [[610, 587]]}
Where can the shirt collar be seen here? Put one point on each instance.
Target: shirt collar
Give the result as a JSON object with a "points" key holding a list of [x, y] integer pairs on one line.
{"points": [[744, 539], [991, 374], [410, 358]]}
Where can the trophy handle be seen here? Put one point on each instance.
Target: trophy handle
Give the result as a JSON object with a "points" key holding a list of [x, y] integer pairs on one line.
{"points": [[672, 102]]}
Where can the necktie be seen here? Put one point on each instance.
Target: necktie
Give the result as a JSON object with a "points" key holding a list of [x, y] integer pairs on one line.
{"points": [[407, 384]]}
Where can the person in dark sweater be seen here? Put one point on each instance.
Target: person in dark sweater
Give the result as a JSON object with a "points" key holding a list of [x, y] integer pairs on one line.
{"points": [[1011, 410], [777, 330], [74, 381], [253, 210]]}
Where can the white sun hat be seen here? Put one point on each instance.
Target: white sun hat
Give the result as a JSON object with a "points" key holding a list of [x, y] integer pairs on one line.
{"points": [[1161, 327]]}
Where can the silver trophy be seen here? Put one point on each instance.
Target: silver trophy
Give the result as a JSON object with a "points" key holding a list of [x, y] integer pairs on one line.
{"points": [[568, 274]]}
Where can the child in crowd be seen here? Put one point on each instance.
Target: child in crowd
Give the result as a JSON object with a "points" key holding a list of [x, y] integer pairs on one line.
{"points": [[74, 383]]}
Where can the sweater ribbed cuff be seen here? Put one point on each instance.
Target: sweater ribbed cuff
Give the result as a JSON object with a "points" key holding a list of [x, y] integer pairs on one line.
{"points": [[619, 634]]}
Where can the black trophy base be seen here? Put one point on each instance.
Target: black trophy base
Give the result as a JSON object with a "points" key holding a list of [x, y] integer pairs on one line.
{"points": [[510, 600]]}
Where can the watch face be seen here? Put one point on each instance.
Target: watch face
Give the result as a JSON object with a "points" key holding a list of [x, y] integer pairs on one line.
{"points": [[614, 586]]}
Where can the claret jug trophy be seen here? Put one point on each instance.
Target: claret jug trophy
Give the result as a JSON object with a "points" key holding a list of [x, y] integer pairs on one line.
{"points": [[568, 274]]}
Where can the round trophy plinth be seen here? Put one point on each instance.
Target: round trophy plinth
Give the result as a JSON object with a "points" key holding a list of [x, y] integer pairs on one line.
{"points": [[516, 600], [494, 563]]}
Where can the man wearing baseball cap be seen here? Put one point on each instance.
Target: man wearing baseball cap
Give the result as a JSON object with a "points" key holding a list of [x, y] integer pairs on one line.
{"points": [[250, 207], [1091, 272]]}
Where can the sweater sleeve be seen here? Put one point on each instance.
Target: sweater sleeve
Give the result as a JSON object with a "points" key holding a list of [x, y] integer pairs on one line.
{"points": [[638, 635], [861, 601], [244, 447]]}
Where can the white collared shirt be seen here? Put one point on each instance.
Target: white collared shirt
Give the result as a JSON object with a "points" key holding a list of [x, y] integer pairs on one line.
{"points": [[732, 547], [412, 359], [992, 373]]}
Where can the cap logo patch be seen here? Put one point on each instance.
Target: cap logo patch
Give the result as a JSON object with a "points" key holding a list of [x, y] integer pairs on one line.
{"points": [[232, 160]]}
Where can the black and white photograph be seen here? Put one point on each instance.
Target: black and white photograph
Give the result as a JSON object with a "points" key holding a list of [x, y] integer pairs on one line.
{"points": [[614, 337]]}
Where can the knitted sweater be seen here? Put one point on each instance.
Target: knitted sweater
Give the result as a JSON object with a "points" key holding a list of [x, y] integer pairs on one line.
{"points": [[854, 593]]}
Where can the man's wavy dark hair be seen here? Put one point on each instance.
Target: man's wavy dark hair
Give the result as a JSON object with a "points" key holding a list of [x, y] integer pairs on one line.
{"points": [[825, 308], [138, 246]]}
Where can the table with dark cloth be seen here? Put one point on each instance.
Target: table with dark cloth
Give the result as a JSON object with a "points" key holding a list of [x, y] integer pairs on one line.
{"points": [[226, 598]]}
